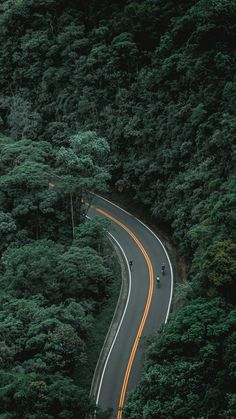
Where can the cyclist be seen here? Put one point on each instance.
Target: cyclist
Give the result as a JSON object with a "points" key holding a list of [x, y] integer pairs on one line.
{"points": [[158, 281], [130, 264], [163, 268]]}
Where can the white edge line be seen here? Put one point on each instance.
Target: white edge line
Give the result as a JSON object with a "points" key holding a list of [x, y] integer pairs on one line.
{"points": [[171, 269], [121, 321], [115, 205]]}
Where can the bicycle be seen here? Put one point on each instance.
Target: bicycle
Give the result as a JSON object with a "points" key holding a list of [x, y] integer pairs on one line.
{"points": [[163, 269]]}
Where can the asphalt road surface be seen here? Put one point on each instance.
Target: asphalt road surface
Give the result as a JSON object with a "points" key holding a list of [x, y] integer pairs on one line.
{"points": [[147, 307]]}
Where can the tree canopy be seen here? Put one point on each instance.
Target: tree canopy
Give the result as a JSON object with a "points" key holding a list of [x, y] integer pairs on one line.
{"points": [[139, 94]]}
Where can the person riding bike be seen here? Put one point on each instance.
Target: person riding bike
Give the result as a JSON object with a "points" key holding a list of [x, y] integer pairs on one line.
{"points": [[163, 268], [130, 264], [158, 281]]}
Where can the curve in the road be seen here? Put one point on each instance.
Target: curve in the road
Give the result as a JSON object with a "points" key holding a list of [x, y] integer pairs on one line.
{"points": [[162, 245], [146, 310], [171, 269], [122, 318]]}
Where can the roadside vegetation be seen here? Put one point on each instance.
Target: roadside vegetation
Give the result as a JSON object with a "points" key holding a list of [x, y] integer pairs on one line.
{"points": [[56, 278], [157, 80]]}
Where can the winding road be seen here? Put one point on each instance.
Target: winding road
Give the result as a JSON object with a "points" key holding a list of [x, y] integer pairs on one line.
{"points": [[146, 309]]}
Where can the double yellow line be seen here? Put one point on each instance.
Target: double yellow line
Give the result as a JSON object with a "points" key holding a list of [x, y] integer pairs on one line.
{"points": [[145, 313]]}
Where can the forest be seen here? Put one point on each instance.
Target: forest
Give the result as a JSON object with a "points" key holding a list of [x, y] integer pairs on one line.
{"points": [[99, 95]]}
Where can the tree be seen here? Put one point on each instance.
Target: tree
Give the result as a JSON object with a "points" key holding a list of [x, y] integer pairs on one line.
{"points": [[93, 234], [38, 396], [24, 189], [82, 169], [43, 267], [84, 275], [44, 339], [219, 266], [186, 365], [31, 269], [7, 229], [156, 79], [22, 120]]}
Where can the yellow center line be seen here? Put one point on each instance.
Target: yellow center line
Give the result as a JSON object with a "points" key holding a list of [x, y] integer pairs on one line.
{"points": [[145, 313]]}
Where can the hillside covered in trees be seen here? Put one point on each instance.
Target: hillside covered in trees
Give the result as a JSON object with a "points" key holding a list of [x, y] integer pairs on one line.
{"points": [[156, 78], [55, 276]]}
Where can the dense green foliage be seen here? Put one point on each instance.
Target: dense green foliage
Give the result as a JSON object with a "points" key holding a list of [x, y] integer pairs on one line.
{"points": [[190, 371], [156, 78], [52, 287]]}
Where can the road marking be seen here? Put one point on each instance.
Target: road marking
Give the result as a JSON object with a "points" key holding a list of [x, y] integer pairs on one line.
{"points": [[145, 313], [157, 238], [171, 269], [115, 205], [122, 318], [121, 321]]}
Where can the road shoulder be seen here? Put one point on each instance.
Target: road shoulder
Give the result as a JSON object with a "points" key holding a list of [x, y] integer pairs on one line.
{"points": [[114, 323]]}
